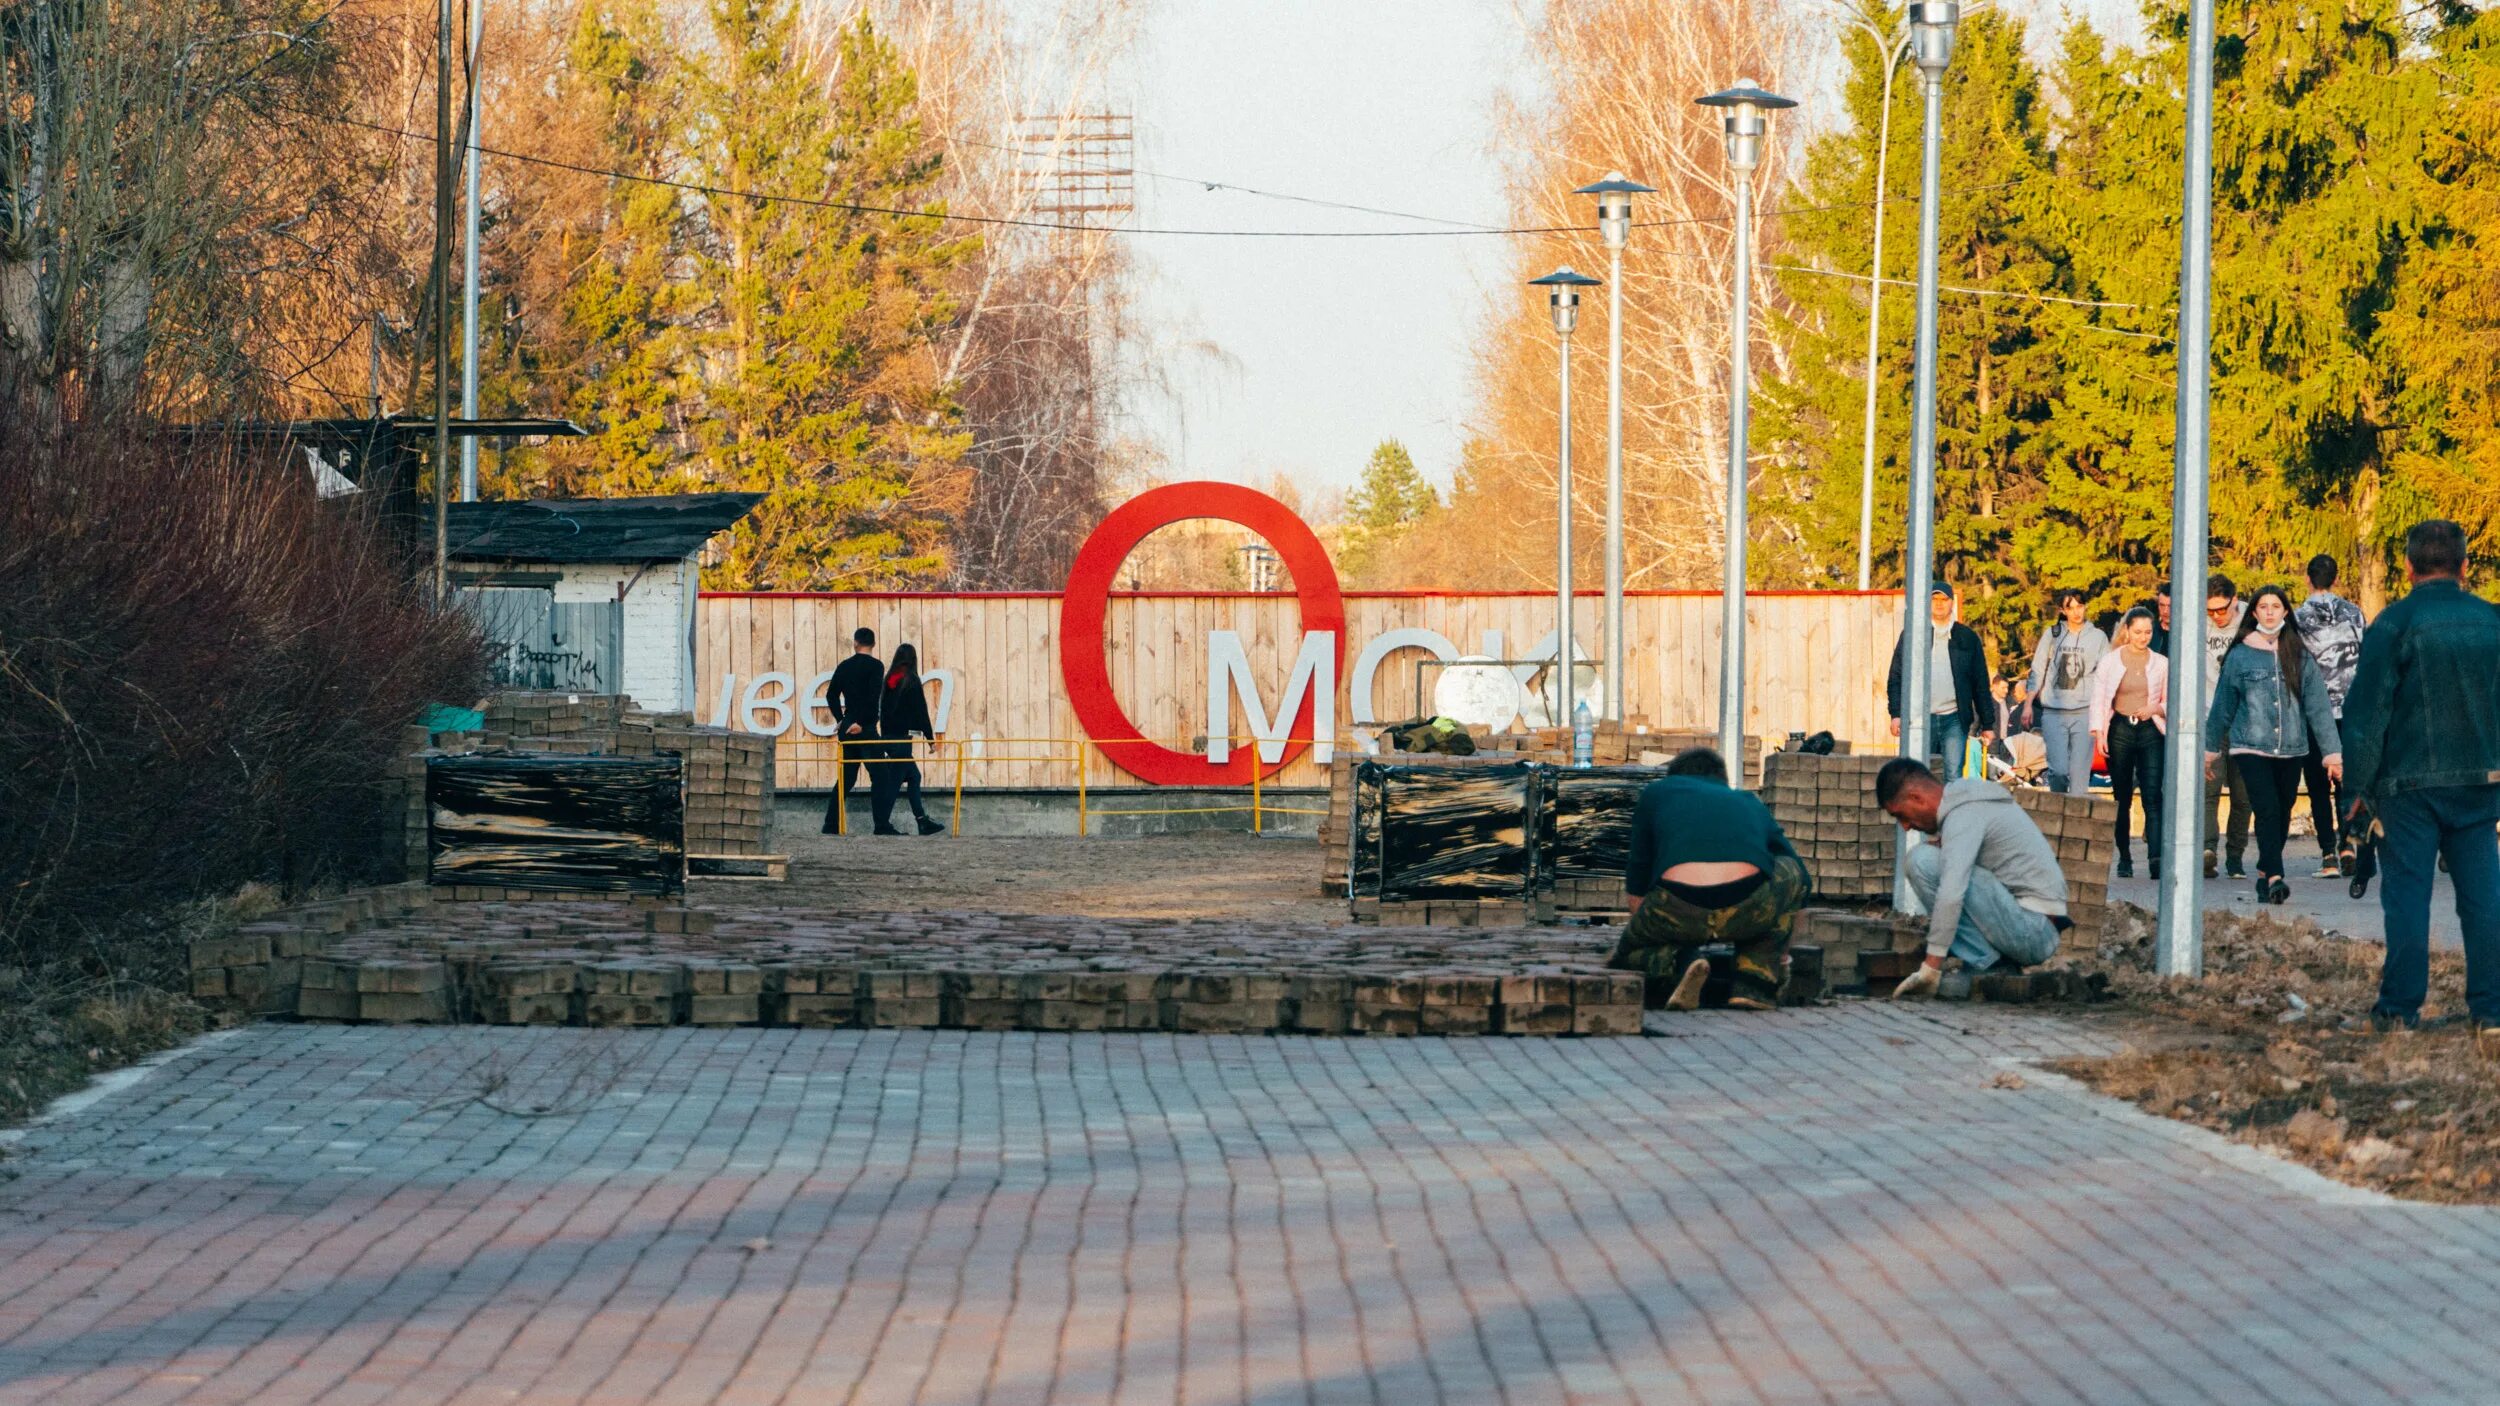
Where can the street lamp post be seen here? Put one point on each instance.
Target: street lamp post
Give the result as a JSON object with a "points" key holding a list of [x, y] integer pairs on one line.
{"points": [[2179, 937], [1931, 38], [1563, 287], [1894, 47], [1745, 109], [1614, 220], [468, 267]]}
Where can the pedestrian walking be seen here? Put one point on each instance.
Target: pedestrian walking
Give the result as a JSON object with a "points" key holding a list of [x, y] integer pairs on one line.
{"points": [[2223, 611], [2423, 755], [1990, 882], [2268, 705], [902, 724], [1960, 705], [2061, 689], [2130, 708], [2161, 619], [1707, 864], [852, 694], [2330, 628]]}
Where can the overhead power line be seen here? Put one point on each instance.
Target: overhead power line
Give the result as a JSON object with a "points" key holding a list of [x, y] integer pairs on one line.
{"points": [[1015, 222]]}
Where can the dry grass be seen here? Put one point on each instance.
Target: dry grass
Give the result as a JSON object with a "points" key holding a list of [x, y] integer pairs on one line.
{"points": [[2273, 1048]]}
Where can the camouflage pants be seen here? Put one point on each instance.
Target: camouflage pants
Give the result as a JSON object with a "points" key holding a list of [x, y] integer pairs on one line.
{"points": [[1667, 933]]}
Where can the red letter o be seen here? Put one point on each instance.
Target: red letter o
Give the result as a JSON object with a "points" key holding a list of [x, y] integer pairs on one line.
{"points": [[1084, 617]]}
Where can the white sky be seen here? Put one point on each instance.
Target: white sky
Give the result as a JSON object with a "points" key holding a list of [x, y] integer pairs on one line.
{"points": [[1320, 348]]}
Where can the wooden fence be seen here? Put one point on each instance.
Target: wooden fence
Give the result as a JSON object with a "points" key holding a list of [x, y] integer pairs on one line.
{"points": [[1815, 660]]}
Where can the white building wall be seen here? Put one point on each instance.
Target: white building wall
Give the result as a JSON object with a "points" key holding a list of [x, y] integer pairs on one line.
{"points": [[659, 641]]}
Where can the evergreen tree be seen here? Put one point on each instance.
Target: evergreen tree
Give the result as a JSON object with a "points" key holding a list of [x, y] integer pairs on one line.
{"points": [[1392, 498], [1997, 378], [817, 320]]}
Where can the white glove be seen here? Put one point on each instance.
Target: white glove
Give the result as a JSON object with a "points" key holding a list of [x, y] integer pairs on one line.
{"points": [[1922, 982]]}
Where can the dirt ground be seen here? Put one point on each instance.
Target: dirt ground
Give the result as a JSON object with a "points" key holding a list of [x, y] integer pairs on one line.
{"points": [[1162, 876], [2273, 1048]]}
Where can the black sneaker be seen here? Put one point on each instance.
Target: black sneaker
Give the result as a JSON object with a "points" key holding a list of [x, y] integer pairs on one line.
{"points": [[2277, 891], [2209, 866], [2231, 868], [2390, 1023], [931, 827], [2126, 867]]}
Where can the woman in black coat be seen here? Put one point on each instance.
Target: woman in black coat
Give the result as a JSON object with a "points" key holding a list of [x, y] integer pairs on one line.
{"points": [[902, 719]]}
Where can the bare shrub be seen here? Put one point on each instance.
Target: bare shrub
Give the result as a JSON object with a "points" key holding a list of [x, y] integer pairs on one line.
{"points": [[205, 672]]}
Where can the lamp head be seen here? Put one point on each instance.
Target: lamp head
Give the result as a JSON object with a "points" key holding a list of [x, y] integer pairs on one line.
{"points": [[1932, 23], [1746, 108], [1563, 287], [1614, 206]]}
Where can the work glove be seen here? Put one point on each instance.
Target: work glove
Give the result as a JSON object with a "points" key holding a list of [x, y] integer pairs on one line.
{"points": [[1922, 982]]}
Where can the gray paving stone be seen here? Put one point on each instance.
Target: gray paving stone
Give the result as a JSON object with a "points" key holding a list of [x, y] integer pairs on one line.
{"points": [[1818, 1205]]}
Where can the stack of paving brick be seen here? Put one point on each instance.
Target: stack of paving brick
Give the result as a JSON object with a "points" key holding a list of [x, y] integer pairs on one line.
{"points": [[258, 967], [590, 964], [1859, 948], [729, 774], [1333, 826], [2083, 831], [1659, 748], [1444, 912], [1826, 806]]}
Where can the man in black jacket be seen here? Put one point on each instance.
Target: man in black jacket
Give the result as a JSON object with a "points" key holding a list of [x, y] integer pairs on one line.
{"points": [[1960, 704], [2422, 750], [857, 683]]}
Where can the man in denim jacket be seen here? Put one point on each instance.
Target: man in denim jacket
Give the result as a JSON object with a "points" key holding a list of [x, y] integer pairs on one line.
{"points": [[2422, 748]]}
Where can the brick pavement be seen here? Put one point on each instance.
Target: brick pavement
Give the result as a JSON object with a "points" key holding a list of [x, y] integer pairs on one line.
{"points": [[1819, 1205]]}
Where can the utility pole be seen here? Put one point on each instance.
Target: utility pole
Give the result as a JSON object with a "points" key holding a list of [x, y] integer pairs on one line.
{"points": [[442, 305], [468, 265], [2179, 934]]}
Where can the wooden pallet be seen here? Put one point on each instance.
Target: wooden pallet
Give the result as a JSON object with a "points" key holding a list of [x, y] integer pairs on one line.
{"points": [[738, 866]]}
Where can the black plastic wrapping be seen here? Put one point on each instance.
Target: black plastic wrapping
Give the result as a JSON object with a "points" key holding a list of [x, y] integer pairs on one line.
{"points": [[1584, 819], [533, 821], [1446, 831]]}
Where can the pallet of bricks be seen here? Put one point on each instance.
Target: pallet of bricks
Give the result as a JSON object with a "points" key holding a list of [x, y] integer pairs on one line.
{"points": [[1461, 859], [2083, 831], [729, 774], [1825, 804], [1335, 838]]}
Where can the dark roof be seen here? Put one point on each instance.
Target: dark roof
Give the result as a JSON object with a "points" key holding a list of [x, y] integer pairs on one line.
{"points": [[663, 528]]}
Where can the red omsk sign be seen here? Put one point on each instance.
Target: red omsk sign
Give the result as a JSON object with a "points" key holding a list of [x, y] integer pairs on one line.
{"points": [[1084, 616]]}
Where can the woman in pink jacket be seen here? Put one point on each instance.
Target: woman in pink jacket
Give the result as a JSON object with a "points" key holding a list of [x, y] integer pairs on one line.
{"points": [[2130, 702]]}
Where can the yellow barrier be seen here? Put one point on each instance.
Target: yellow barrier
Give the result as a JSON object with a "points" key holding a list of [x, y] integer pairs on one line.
{"points": [[1259, 809]]}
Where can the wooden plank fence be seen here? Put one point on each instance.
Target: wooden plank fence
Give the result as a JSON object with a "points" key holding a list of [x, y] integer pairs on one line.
{"points": [[1814, 660]]}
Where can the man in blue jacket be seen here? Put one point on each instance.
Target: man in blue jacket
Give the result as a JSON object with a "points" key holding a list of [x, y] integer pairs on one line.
{"points": [[2422, 750]]}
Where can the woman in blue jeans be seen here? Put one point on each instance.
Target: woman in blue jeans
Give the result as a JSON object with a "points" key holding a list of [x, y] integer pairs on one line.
{"points": [[2061, 689], [2268, 704]]}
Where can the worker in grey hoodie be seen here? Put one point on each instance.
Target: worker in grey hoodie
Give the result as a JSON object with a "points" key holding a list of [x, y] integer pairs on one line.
{"points": [[1990, 881], [2061, 692]]}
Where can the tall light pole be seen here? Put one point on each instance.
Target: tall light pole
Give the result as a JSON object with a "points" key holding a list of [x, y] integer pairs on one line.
{"points": [[1746, 109], [1563, 287], [1895, 46], [468, 267], [1931, 40], [1931, 45], [441, 277], [2179, 938], [1614, 220]]}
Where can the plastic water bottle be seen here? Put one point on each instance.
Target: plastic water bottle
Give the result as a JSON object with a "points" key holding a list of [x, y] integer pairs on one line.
{"points": [[1583, 735]]}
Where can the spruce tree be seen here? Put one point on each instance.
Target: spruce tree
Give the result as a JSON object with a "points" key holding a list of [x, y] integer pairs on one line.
{"points": [[1392, 498], [817, 319]]}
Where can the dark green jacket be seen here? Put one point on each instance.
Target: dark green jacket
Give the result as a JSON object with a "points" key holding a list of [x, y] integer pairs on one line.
{"points": [[2424, 709]]}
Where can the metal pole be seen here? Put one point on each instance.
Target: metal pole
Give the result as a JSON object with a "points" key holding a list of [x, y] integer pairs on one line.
{"points": [[1614, 486], [1918, 556], [2179, 942], [442, 303], [468, 267], [1874, 326], [1739, 388], [1565, 662]]}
